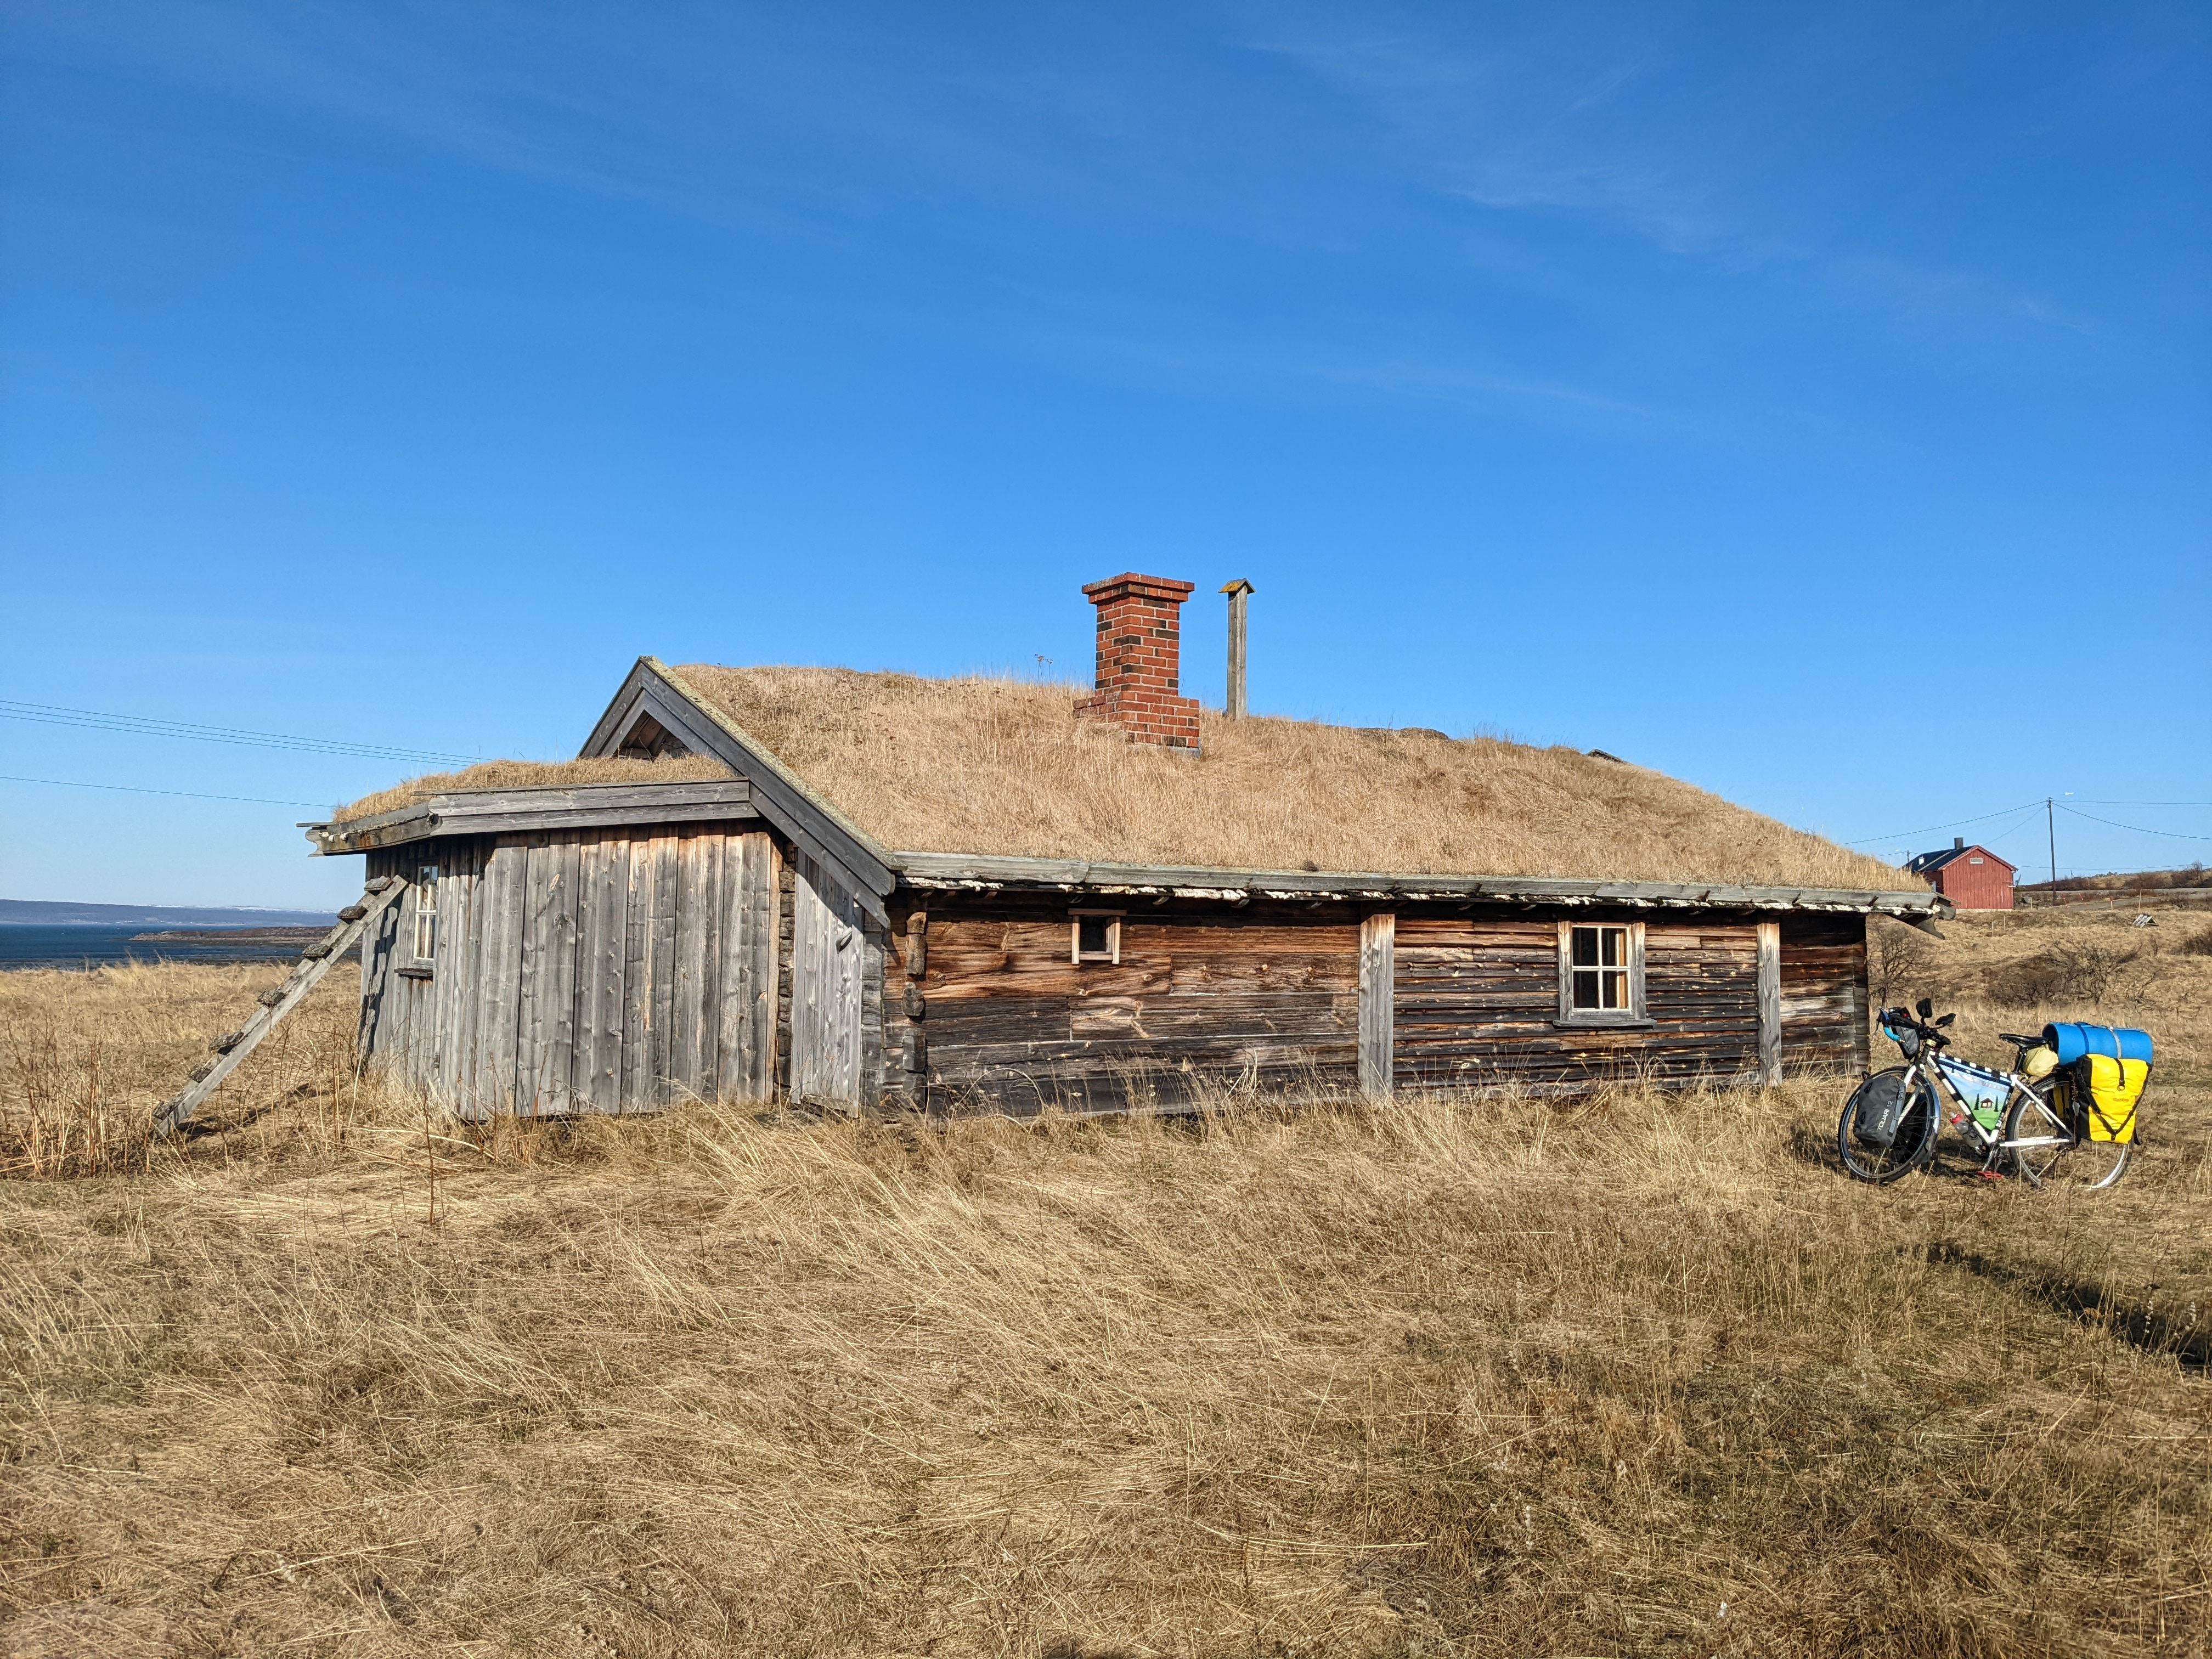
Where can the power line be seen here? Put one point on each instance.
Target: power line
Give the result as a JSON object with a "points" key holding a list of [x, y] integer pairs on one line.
{"points": [[93, 720], [1930, 828], [187, 794], [2138, 828]]}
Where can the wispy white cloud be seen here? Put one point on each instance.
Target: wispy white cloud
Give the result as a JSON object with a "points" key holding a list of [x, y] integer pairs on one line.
{"points": [[1612, 129]]}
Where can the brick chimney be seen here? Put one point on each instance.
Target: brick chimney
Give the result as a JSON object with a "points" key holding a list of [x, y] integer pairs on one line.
{"points": [[1139, 683]]}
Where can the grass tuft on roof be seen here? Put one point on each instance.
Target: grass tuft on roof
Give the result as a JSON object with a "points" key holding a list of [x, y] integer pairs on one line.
{"points": [[1002, 766], [533, 775]]}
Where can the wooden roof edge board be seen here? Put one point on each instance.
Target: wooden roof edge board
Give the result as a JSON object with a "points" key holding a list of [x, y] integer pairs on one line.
{"points": [[351, 838], [943, 870], [786, 799], [553, 806]]}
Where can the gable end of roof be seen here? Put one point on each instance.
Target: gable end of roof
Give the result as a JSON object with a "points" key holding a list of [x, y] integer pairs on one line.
{"points": [[779, 793]]}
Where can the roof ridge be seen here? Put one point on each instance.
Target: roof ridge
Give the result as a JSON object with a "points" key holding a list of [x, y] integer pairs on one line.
{"points": [[798, 785]]}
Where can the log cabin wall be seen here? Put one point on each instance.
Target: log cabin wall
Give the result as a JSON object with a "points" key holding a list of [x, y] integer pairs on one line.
{"points": [[1824, 994], [1478, 1004], [618, 969], [1265, 998], [580, 971], [1000, 1018]]}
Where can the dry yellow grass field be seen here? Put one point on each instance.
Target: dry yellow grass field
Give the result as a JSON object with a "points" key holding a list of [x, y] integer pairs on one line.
{"points": [[1002, 766], [1638, 1375]]}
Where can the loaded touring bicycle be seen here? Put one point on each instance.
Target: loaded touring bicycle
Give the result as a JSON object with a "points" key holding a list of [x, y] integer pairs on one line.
{"points": [[2064, 1114]]}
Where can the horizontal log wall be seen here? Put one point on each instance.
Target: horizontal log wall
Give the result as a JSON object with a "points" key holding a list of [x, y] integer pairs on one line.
{"points": [[1478, 1005], [580, 970], [1232, 1000], [1824, 994]]}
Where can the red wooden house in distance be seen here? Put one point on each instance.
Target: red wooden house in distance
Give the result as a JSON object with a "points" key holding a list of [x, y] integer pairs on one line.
{"points": [[1972, 878]]}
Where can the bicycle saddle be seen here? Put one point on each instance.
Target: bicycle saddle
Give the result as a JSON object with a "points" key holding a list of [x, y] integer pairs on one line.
{"points": [[2018, 1041]]}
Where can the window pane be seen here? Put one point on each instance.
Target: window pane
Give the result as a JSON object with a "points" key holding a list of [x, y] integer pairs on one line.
{"points": [[1616, 947], [1616, 990], [1090, 937], [1585, 947], [1585, 988]]}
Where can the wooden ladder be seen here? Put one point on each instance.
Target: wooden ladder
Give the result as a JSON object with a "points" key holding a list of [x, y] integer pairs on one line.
{"points": [[315, 961]]}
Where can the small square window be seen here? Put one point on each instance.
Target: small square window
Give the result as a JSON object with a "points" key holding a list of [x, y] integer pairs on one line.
{"points": [[1600, 973], [1601, 968], [426, 913], [1094, 936]]}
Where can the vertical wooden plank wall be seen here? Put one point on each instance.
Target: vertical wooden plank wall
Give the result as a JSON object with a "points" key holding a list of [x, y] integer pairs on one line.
{"points": [[1378, 1002], [829, 956], [582, 971], [497, 988], [745, 1045], [601, 969], [460, 865], [698, 956]]}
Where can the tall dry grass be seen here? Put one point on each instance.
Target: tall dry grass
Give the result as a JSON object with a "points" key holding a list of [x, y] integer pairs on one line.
{"points": [[86, 1057], [1456, 1376], [1003, 766]]}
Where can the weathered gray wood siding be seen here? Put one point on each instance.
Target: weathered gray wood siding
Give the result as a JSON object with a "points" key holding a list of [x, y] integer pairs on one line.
{"points": [[836, 981], [581, 971], [1824, 994], [1266, 998]]}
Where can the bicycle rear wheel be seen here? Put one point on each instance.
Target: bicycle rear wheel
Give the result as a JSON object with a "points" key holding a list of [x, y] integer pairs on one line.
{"points": [[1912, 1144], [2046, 1153]]}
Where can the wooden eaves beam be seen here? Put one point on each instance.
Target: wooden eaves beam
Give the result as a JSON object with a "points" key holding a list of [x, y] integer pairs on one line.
{"points": [[957, 871]]}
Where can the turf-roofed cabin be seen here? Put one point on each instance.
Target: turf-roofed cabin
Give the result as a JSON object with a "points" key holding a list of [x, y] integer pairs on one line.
{"points": [[873, 892]]}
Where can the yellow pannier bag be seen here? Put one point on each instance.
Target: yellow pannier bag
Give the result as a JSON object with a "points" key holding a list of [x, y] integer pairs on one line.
{"points": [[2114, 1087]]}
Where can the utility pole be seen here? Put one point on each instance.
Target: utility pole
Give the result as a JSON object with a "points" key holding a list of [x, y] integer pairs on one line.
{"points": [[1237, 592], [2050, 825]]}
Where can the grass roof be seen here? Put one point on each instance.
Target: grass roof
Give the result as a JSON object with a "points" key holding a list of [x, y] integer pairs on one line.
{"points": [[533, 774], [997, 766], [1001, 766]]}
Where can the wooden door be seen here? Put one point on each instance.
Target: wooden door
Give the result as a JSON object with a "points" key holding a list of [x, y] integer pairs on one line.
{"points": [[828, 949]]}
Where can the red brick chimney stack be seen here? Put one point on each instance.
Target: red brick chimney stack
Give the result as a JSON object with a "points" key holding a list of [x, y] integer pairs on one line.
{"points": [[1139, 681]]}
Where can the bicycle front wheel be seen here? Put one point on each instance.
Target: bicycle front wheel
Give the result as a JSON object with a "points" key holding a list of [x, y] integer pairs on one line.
{"points": [[2045, 1152], [1911, 1143]]}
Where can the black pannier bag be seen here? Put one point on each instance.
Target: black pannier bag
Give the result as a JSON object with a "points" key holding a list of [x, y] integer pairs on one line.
{"points": [[1878, 1107]]}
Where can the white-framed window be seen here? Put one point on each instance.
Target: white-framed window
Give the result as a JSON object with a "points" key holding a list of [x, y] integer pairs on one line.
{"points": [[1600, 973], [426, 913], [1094, 936]]}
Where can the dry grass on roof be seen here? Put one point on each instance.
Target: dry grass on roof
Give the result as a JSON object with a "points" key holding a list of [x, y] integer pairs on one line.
{"points": [[533, 775], [984, 765]]}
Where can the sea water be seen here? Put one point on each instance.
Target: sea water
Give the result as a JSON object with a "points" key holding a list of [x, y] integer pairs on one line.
{"points": [[94, 944]]}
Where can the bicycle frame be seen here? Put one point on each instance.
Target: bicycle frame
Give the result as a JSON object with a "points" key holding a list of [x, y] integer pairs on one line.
{"points": [[1928, 1067]]}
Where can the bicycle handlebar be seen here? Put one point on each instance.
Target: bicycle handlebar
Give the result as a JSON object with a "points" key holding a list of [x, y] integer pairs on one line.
{"points": [[1893, 1019]]}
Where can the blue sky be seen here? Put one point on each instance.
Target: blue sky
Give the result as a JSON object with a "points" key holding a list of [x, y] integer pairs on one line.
{"points": [[1810, 402]]}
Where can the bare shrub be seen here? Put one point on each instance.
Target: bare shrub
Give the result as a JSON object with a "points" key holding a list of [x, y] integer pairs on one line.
{"points": [[2198, 945], [1900, 960], [2074, 970]]}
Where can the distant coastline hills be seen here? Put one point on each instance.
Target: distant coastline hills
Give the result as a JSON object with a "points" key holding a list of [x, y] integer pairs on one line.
{"points": [[48, 913]]}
